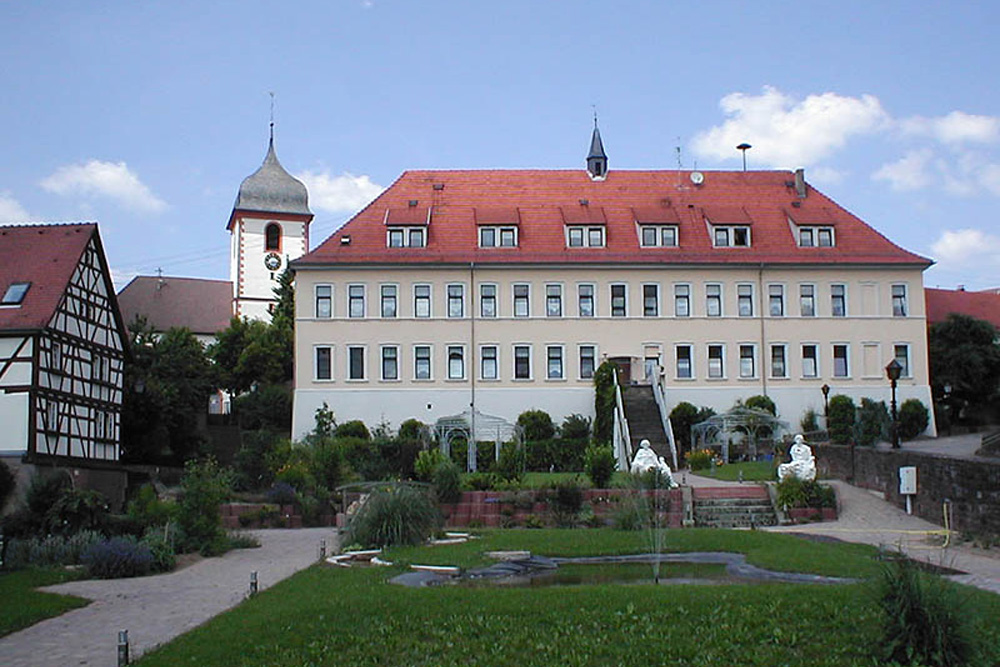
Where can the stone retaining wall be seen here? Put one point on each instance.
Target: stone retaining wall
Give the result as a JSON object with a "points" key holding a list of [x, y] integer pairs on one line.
{"points": [[972, 485]]}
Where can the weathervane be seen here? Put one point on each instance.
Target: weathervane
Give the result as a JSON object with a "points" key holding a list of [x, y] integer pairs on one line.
{"points": [[271, 93]]}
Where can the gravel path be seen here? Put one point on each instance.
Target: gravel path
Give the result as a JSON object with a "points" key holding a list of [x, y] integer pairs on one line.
{"points": [[158, 608]]}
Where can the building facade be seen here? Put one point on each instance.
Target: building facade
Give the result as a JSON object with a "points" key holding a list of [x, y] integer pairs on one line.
{"points": [[504, 290]]}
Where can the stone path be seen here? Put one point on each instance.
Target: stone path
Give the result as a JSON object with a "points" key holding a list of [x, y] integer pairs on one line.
{"points": [[156, 609]]}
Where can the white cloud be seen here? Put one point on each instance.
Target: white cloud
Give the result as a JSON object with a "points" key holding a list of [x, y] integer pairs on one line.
{"points": [[339, 194], [910, 172], [786, 132], [957, 127], [11, 210], [104, 179], [826, 175], [964, 247]]}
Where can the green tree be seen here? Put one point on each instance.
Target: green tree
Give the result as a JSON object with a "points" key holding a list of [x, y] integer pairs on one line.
{"points": [[840, 422], [604, 402], [965, 354]]}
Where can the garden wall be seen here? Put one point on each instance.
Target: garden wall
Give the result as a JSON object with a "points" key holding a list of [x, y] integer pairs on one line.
{"points": [[972, 485]]}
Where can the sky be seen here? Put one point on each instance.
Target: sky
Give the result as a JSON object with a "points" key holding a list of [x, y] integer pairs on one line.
{"points": [[146, 116]]}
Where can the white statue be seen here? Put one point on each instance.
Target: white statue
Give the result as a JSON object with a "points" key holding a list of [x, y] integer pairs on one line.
{"points": [[803, 463], [645, 459]]}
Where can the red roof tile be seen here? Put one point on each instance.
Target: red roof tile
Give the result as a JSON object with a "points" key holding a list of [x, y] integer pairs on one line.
{"points": [[46, 256], [980, 305], [544, 197], [202, 306]]}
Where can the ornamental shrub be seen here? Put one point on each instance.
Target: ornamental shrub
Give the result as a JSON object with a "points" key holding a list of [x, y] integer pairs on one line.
{"points": [[447, 480], [411, 429], [427, 461], [204, 486], [536, 425], [50, 551], [873, 422], [510, 465], [7, 484], [160, 543], [118, 557], [809, 422], [913, 418], [761, 403], [794, 492], [567, 499], [599, 462], [480, 481], [146, 509], [699, 459], [840, 419], [575, 427], [353, 429], [395, 515]]}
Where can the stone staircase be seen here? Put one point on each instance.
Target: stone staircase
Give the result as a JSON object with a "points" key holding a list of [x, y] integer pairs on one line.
{"points": [[733, 507], [644, 421]]}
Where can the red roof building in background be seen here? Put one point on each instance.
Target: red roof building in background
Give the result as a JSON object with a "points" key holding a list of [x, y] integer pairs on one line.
{"points": [[457, 291], [984, 305], [202, 306]]}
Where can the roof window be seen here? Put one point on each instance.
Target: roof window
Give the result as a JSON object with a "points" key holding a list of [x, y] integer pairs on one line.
{"points": [[15, 294]]}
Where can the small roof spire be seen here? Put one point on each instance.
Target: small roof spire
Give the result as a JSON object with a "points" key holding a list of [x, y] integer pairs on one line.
{"points": [[597, 159]]}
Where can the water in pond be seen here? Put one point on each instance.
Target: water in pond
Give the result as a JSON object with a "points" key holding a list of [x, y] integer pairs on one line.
{"points": [[581, 574]]}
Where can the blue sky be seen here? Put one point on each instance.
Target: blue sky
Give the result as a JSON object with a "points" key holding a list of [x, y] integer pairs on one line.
{"points": [[146, 116]]}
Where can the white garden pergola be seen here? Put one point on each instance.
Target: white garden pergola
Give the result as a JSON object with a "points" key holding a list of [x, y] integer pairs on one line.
{"points": [[740, 427], [475, 427]]}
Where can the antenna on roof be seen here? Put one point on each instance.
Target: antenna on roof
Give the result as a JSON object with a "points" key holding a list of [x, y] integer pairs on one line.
{"points": [[677, 148], [271, 93], [159, 278]]}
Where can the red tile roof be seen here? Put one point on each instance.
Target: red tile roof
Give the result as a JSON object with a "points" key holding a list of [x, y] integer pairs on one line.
{"points": [[46, 256], [980, 305], [544, 197], [202, 306]]}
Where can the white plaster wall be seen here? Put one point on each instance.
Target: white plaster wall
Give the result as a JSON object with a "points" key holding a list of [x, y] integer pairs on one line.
{"points": [[253, 281], [14, 418]]}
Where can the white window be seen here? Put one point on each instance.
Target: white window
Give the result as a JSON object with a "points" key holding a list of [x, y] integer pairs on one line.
{"points": [[899, 301], [389, 301], [713, 300], [841, 367], [324, 362], [586, 300], [590, 237], [807, 300], [456, 300], [748, 361], [489, 362], [403, 237], [421, 362], [815, 236], [588, 356], [744, 295], [685, 368], [356, 301], [522, 307], [554, 362], [421, 300], [682, 301], [716, 361], [619, 305], [56, 356], [651, 236], [52, 415], [838, 300], [522, 362], [779, 367], [901, 353], [97, 364], [324, 301], [651, 300], [776, 300], [456, 362], [487, 300], [355, 362], [390, 362], [810, 361], [553, 300], [731, 236], [498, 237]]}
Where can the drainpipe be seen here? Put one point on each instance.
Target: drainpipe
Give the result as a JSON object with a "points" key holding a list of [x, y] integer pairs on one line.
{"points": [[471, 369], [763, 349]]}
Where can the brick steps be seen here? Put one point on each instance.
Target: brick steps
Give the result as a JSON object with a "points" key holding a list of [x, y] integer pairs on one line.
{"points": [[733, 507]]}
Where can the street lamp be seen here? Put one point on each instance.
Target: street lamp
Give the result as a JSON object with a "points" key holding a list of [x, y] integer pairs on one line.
{"points": [[892, 371], [826, 400]]}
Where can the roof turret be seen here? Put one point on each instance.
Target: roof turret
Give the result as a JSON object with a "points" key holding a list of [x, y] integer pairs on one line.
{"points": [[597, 160], [271, 189]]}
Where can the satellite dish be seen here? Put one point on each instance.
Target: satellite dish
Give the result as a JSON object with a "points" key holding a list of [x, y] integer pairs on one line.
{"points": [[697, 177]]}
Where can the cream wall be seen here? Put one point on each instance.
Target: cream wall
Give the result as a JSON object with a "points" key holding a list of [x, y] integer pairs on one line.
{"points": [[870, 330]]}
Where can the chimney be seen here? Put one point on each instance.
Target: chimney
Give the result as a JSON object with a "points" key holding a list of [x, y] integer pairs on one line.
{"points": [[800, 183]]}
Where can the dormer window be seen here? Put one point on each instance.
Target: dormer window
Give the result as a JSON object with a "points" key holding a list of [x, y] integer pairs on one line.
{"points": [[585, 237], [498, 237], [820, 237], [653, 236], [406, 237], [15, 294], [731, 236]]}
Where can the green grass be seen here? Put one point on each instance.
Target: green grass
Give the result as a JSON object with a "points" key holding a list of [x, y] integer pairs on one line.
{"points": [[24, 606], [537, 480], [334, 616], [753, 471]]}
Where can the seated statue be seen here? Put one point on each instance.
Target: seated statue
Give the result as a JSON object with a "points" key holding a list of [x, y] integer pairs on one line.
{"points": [[803, 463], [645, 459]]}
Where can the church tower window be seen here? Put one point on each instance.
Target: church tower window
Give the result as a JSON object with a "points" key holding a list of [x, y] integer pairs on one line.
{"points": [[272, 237]]}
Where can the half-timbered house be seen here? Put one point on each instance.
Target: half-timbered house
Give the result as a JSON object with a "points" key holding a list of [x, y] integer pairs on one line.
{"points": [[62, 348]]}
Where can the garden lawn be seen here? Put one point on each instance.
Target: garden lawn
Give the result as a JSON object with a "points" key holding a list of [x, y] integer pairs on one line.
{"points": [[539, 480], [23, 605], [753, 471], [333, 616]]}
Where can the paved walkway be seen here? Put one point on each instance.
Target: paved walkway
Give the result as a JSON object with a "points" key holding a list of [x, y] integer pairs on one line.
{"points": [[156, 609]]}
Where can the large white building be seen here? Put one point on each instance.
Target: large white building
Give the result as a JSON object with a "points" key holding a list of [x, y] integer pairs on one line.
{"points": [[503, 290]]}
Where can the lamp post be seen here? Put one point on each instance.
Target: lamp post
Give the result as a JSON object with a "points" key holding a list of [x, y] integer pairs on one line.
{"points": [[892, 371], [826, 404]]}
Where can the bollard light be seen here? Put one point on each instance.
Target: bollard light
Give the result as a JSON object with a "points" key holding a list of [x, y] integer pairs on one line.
{"points": [[122, 648], [322, 549], [253, 583]]}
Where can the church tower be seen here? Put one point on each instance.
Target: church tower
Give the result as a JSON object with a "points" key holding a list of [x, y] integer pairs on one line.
{"points": [[268, 228]]}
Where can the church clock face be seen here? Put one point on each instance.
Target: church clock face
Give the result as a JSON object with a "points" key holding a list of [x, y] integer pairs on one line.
{"points": [[272, 261]]}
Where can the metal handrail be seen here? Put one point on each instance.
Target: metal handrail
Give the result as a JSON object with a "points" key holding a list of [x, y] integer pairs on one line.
{"points": [[660, 394], [622, 439]]}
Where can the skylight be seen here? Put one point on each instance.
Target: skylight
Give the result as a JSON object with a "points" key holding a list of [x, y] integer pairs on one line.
{"points": [[15, 294]]}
